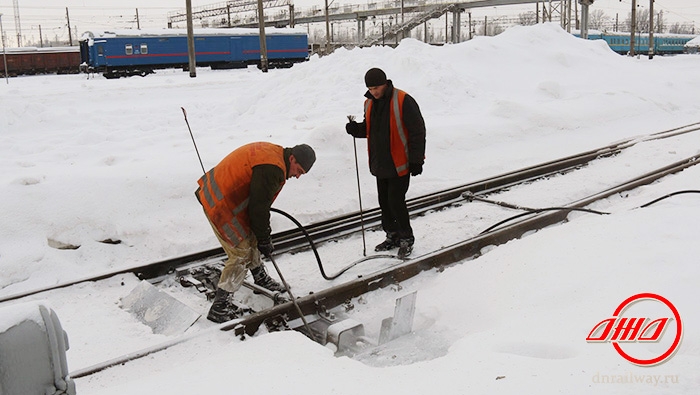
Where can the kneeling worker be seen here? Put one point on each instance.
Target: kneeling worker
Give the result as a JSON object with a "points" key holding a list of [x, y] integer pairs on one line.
{"points": [[236, 196]]}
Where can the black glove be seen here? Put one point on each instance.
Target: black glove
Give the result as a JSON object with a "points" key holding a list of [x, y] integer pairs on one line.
{"points": [[351, 127], [265, 247], [415, 168]]}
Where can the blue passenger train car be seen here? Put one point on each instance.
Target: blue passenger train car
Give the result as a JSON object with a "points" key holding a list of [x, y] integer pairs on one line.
{"points": [[664, 43], [140, 52]]}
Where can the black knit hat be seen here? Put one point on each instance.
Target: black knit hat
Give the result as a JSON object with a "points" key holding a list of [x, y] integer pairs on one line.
{"points": [[304, 155], [375, 77]]}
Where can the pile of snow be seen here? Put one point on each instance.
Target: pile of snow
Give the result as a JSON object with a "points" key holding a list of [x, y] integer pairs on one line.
{"points": [[87, 162]]}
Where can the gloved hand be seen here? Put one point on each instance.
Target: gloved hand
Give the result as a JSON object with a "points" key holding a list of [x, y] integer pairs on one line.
{"points": [[351, 127], [415, 168], [265, 247]]}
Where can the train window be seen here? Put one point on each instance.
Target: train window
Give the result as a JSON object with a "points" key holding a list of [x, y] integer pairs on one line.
{"points": [[144, 49], [129, 49], [100, 50]]}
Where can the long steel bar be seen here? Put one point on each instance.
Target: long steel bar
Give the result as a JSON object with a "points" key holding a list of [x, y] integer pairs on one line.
{"points": [[465, 250], [471, 248], [346, 224]]}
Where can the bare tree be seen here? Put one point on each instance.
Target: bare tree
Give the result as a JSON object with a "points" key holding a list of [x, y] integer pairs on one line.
{"points": [[494, 29], [682, 28], [642, 22], [659, 22], [527, 18], [597, 20]]}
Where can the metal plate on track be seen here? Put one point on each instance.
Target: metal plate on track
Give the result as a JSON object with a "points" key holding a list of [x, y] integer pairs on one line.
{"points": [[402, 321], [162, 312]]}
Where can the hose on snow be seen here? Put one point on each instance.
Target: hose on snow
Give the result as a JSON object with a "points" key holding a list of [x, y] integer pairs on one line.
{"points": [[469, 196], [318, 258]]}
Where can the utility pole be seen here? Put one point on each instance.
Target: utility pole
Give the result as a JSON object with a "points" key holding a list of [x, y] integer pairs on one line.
{"points": [[41, 38], [138, 23], [263, 39], [70, 35], [584, 17], [4, 55], [651, 29], [190, 41], [328, 32], [402, 21], [633, 26], [470, 25], [18, 25]]}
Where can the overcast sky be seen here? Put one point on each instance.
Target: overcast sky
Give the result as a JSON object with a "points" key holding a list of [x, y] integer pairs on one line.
{"points": [[88, 15]]}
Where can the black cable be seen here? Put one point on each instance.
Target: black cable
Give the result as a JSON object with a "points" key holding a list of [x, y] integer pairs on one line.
{"points": [[536, 211], [668, 196], [539, 210], [318, 258]]}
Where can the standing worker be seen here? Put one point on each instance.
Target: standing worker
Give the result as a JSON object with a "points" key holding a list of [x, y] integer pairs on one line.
{"points": [[395, 131], [236, 196]]}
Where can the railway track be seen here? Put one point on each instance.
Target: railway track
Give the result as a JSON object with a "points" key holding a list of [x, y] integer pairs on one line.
{"points": [[345, 225], [321, 303]]}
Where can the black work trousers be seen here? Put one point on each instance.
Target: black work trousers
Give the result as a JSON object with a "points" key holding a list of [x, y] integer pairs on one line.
{"points": [[392, 201]]}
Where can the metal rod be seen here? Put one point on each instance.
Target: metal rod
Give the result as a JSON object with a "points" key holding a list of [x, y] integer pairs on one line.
{"points": [[193, 142], [359, 192], [294, 301], [359, 198]]}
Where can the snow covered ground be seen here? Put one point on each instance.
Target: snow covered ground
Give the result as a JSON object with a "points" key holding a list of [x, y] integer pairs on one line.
{"points": [[88, 160]]}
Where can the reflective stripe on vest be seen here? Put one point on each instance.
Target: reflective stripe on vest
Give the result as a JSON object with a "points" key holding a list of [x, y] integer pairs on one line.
{"points": [[233, 230], [398, 137], [222, 200], [209, 186]]}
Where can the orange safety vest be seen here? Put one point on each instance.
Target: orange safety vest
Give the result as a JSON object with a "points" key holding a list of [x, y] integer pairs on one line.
{"points": [[398, 138], [224, 191]]}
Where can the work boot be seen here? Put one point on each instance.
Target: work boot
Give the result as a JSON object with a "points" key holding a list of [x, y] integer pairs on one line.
{"points": [[405, 248], [261, 278], [391, 242], [223, 309]]}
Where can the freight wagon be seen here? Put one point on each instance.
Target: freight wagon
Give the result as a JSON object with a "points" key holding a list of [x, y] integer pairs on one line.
{"points": [[33, 60]]}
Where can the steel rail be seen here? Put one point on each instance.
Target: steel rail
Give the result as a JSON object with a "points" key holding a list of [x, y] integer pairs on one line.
{"points": [[347, 224], [468, 249], [459, 252]]}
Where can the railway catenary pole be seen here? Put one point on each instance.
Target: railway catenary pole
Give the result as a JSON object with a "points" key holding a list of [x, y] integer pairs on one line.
{"points": [[328, 31], [190, 41], [584, 17], [4, 54], [263, 39], [651, 29], [70, 35], [633, 26]]}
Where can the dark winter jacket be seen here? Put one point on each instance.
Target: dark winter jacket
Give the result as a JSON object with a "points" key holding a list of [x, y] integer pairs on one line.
{"points": [[264, 186], [381, 164]]}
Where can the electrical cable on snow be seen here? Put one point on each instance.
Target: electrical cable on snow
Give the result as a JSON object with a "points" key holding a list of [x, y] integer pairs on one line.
{"points": [[668, 196], [318, 258], [469, 196]]}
